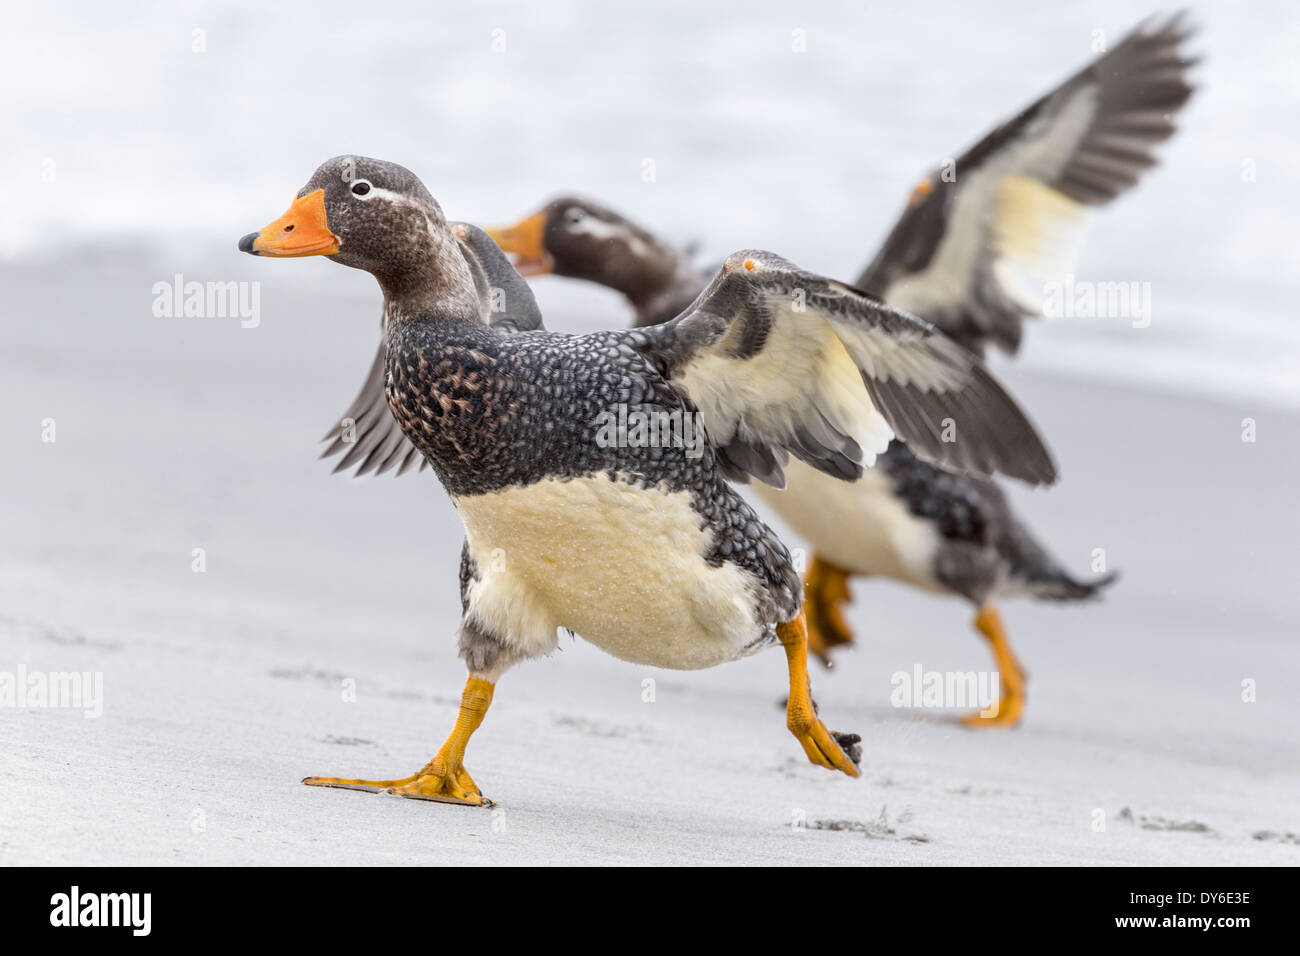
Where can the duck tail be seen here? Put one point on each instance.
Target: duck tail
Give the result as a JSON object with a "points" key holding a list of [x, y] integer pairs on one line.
{"points": [[1042, 576], [1060, 586]]}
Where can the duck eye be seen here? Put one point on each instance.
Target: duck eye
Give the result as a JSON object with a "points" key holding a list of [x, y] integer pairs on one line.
{"points": [[360, 187], [575, 216]]}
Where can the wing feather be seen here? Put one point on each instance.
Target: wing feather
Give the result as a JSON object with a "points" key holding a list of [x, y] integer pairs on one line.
{"points": [[783, 362], [972, 254]]}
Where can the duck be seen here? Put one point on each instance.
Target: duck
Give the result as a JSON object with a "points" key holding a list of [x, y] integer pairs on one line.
{"points": [[640, 545], [973, 239]]}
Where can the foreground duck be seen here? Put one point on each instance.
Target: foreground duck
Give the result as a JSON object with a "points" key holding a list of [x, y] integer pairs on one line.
{"points": [[969, 254], [644, 550]]}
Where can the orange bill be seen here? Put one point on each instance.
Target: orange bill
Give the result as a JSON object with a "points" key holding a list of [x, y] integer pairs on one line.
{"points": [[525, 241], [302, 231]]}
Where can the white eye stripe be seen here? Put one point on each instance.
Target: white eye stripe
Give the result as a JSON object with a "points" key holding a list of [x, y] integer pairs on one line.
{"points": [[401, 199], [378, 192], [390, 195], [591, 226], [600, 229]]}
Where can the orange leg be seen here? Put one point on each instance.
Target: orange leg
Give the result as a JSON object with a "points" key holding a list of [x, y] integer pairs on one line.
{"points": [[825, 591], [1011, 703], [444, 778], [823, 747]]}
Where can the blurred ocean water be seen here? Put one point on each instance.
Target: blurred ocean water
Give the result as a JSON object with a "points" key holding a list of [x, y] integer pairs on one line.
{"points": [[161, 132]]}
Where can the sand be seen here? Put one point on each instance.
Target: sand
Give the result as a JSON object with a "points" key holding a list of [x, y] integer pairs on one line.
{"points": [[222, 689]]}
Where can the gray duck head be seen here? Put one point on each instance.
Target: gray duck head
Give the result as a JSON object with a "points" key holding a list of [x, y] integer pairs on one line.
{"points": [[376, 216]]}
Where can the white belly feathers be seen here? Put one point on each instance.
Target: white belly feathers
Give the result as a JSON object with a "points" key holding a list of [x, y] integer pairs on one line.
{"points": [[622, 566], [858, 526]]}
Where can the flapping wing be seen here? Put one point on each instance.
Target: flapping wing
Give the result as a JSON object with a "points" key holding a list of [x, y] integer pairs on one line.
{"points": [[367, 435], [973, 249], [784, 362]]}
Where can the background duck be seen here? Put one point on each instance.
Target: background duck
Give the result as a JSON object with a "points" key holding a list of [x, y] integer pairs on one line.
{"points": [[975, 241], [645, 551]]}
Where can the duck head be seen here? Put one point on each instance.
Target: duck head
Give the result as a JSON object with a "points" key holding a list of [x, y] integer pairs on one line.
{"points": [[580, 239], [376, 216]]}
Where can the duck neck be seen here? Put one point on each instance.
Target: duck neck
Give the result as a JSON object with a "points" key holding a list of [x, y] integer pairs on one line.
{"points": [[437, 285]]}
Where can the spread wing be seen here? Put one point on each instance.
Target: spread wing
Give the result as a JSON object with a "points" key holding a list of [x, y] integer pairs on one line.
{"points": [[367, 435], [784, 362], [973, 249]]}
